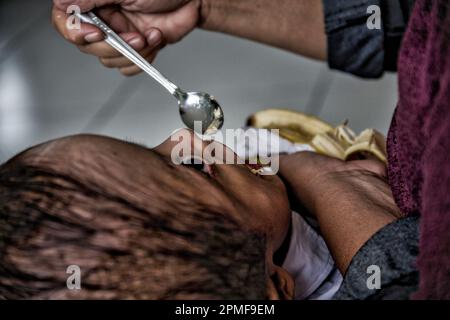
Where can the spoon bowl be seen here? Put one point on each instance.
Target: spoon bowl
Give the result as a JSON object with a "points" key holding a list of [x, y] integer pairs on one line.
{"points": [[200, 108]]}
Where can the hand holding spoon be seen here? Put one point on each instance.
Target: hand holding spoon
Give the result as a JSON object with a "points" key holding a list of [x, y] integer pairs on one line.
{"points": [[194, 106]]}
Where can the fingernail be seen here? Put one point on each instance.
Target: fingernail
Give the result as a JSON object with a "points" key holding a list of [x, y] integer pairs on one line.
{"points": [[153, 37], [135, 42], [93, 37]]}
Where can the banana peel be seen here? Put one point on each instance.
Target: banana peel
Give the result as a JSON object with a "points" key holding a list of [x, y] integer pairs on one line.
{"points": [[339, 142], [294, 126]]}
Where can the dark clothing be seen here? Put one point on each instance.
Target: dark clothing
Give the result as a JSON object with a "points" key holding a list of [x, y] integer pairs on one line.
{"points": [[419, 137], [353, 47], [394, 250]]}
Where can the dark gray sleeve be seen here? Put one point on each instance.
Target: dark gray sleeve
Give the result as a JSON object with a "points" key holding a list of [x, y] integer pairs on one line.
{"points": [[353, 47], [394, 250]]}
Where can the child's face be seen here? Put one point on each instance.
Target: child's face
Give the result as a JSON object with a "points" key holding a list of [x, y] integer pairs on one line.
{"points": [[259, 203]]}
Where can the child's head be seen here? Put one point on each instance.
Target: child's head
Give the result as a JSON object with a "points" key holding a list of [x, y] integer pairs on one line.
{"points": [[136, 225]]}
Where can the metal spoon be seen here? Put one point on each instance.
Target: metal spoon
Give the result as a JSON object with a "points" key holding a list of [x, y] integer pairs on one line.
{"points": [[194, 106]]}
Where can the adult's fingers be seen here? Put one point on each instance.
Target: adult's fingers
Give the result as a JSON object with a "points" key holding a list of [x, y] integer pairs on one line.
{"points": [[134, 39], [104, 50], [133, 70], [85, 34], [89, 39], [122, 62], [118, 62], [130, 71]]}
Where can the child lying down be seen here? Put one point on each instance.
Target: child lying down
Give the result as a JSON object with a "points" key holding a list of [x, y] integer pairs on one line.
{"points": [[140, 227]]}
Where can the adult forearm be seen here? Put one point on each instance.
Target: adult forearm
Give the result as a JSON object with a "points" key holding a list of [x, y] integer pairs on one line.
{"points": [[351, 200], [352, 208], [294, 25]]}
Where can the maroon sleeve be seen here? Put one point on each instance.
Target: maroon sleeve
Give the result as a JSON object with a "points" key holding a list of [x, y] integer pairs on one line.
{"points": [[434, 253]]}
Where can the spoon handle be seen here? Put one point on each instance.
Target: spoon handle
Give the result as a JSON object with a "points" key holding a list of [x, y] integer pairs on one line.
{"points": [[115, 41]]}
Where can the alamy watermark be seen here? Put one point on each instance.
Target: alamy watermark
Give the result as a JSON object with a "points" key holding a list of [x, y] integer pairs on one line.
{"points": [[374, 21], [73, 281], [254, 147], [374, 280], [73, 21]]}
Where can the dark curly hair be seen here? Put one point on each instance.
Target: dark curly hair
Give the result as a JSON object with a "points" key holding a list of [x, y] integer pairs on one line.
{"points": [[127, 248]]}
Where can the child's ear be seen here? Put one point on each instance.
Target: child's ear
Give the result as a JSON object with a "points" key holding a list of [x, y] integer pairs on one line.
{"points": [[280, 285]]}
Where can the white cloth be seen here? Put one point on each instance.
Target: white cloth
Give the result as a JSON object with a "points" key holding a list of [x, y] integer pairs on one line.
{"points": [[267, 142], [309, 261], [251, 144], [329, 288]]}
